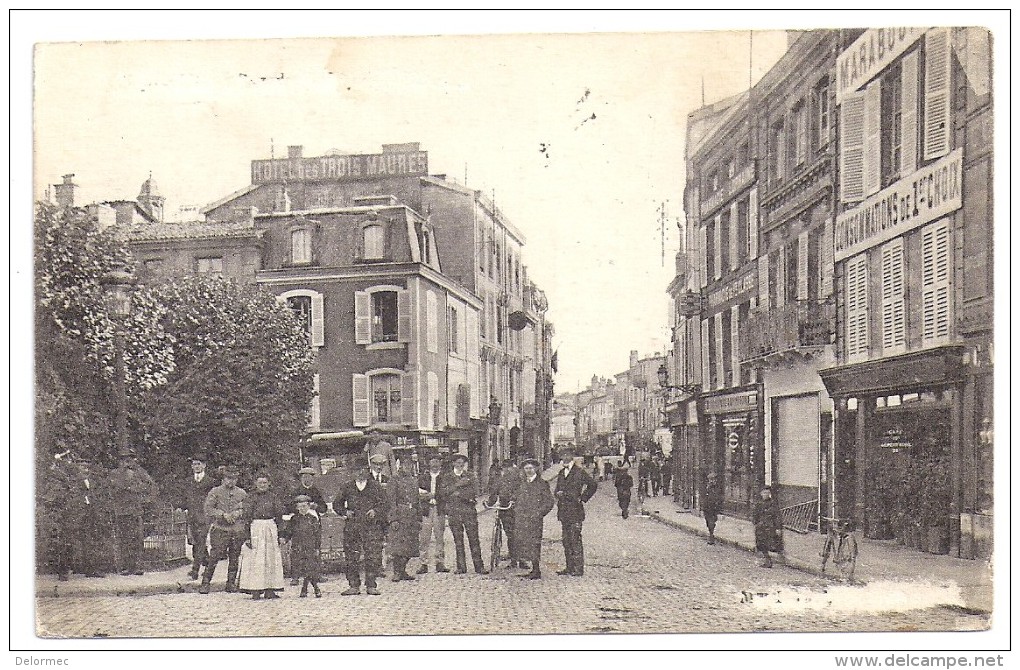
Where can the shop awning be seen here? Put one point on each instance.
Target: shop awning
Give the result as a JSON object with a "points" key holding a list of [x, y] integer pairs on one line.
{"points": [[342, 435]]}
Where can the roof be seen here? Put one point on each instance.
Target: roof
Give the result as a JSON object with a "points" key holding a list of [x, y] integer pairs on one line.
{"points": [[191, 230], [227, 198]]}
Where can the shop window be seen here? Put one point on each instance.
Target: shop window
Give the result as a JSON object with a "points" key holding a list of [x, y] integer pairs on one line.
{"points": [[212, 265], [374, 242]]}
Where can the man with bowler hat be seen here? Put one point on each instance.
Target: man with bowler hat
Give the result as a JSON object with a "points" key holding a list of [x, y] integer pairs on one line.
{"points": [[363, 503], [225, 508], [460, 493], [574, 487], [196, 490]]}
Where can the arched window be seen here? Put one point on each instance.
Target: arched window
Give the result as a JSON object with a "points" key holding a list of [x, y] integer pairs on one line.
{"points": [[308, 305], [375, 242], [302, 306], [301, 246], [386, 398]]}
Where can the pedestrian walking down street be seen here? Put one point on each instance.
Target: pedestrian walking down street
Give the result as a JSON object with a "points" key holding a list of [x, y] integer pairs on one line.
{"points": [[304, 533], [532, 501], [574, 487], [133, 491], [433, 517], [711, 503], [225, 506], [404, 522], [655, 475], [261, 560], [501, 492], [768, 527], [624, 483], [305, 487], [666, 474], [643, 476], [460, 496], [362, 502], [196, 490]]}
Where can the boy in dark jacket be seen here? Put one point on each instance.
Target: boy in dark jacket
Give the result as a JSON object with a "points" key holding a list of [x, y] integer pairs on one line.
{"points": [[305, 534]]}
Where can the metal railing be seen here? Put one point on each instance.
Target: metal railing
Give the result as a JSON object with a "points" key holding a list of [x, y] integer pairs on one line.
{"points": [[800, 517]]}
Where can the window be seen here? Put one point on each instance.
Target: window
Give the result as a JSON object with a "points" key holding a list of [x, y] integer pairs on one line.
{"points": [[375, 242], [712, 354], [483, 318], [211, 265], [775, 276], [894, 337], [499, 323], [892, 125], [857, 307], [384, 316], [708, 253], [800, 133], [727, 348], [823, 113], [386, 398], [308, 305], [453, 329], [481, 251], [302, 307], [743, 248], [792, 276], [301, 246], [777, 152], [724, 242]]}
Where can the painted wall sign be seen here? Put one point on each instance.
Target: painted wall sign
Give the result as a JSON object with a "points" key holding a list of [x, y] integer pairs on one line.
{"points": [[733, 289], [870, 54], [738, 402], [356, 166], [928, 194]]}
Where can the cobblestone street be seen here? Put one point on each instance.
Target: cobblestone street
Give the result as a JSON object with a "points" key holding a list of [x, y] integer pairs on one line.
{"points": [[641, 577]]}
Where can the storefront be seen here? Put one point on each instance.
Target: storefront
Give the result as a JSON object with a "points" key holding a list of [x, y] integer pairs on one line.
{"points": [[688, 468], [732, 438]]}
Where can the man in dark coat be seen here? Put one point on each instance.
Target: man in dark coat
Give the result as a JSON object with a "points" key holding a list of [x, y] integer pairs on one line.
{"points": [[133, 492], [666, 474], [196, 490], [304, 531], [532, 501], [459, 497], [574, 487], [433, 516], [655, 475], [224, 506], [768, 526], [624, 483], [643, 477], [79, 532], [363, 503], [305, 487], [711, 504], [502, 490], [405, 522]]}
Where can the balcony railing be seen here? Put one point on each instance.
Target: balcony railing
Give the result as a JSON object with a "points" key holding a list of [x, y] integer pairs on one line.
{"points": [[797, 325]]}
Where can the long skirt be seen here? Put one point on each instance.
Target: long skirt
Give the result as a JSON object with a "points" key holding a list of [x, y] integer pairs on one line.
{"points": [[262, 565]]}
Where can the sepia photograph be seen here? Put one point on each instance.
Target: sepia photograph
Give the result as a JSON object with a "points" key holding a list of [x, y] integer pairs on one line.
{"points": [[577, 331]]}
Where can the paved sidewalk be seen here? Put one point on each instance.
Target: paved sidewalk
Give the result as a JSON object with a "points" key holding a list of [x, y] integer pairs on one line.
{"points": [[878, 560]]}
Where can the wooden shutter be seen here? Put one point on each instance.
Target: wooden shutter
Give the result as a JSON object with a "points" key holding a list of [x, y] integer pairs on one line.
{"points": [[908, 113], [937, 69], [826, 264], [405, 318], [720, 363], [734, 237], [801, 141], [362, 317], [318, 335], [717, 247], [802, 266], [936, 282], [706, 374], [362, 405], [780, 278], [857, 307], [752, 224], [873, 138], [893, 307], [851, 148], [431, 322], [408, 407], [735, 343], [703, 254], [763, 282]]}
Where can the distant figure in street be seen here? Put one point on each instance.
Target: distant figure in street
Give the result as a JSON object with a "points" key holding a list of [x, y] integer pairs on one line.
{"points": [[768, 527], [624, 483], [133, 491], [261, 560], [655, 475], [224, 506], [433, 517], [460, 493], [532, 501], [643, 477], [711, 503], [404, 522], [304, 531], [666, 474], [363, 503], [196, 490], [574, 487], [502, 491], [306, 487]]}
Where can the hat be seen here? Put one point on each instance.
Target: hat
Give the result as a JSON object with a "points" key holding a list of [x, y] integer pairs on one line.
{"points": [[530, 461], [460, 457], [302, 498], [198, 456], [306, 471], [435, 459], [568, 451], [377, 458], [231, 471]]}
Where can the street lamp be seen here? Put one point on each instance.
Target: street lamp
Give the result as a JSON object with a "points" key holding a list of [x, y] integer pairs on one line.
{"points": [[117, 286]]}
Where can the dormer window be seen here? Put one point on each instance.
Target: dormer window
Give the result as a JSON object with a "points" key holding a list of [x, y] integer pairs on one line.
{"points": [[375, 242], [300, 246]]}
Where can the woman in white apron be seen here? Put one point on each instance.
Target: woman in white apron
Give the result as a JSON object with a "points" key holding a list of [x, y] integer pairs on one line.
{"points": [[261, 560]]}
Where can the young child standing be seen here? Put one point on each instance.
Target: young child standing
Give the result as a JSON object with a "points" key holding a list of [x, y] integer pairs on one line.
{"points": [[305, 534]]}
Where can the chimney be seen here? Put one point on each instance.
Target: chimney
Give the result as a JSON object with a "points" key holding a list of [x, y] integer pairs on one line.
{"points": [[66, 191], [295, 151], [633, 358]]}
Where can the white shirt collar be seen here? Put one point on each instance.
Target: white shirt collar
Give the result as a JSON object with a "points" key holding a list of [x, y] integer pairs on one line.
{"points": [[199, 477], [361, 485]]}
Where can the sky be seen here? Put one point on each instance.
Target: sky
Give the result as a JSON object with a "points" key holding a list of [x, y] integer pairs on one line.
{"points": [[610, 110]]}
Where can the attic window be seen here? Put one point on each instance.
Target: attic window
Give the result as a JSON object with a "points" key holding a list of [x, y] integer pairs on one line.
{"points": [[374, 242]]}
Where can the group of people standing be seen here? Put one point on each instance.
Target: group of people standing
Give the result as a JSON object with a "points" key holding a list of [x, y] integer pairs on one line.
{"points": [[404, 514]]}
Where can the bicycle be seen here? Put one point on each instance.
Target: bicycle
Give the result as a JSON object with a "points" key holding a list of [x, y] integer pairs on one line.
{"points": [[841, 546], [497, 535]]}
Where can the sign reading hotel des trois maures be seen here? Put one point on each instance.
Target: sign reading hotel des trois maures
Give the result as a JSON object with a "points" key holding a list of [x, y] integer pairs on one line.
{"points": [[928, 194], [356, 166], [869, 54]]}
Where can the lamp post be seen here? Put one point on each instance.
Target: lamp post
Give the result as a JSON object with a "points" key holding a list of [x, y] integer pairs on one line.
{"points": [[117, 286]]}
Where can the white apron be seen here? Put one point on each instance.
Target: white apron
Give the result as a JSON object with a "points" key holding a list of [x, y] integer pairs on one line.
{"points": [[262, 565]]}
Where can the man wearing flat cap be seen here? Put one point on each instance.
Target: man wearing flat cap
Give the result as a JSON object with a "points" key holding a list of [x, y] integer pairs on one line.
{"points": [[196, 490], [532, 501], [133, 491], [363, 503], [317, 504], [225, 508], [460, 493], [574, 487]]}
